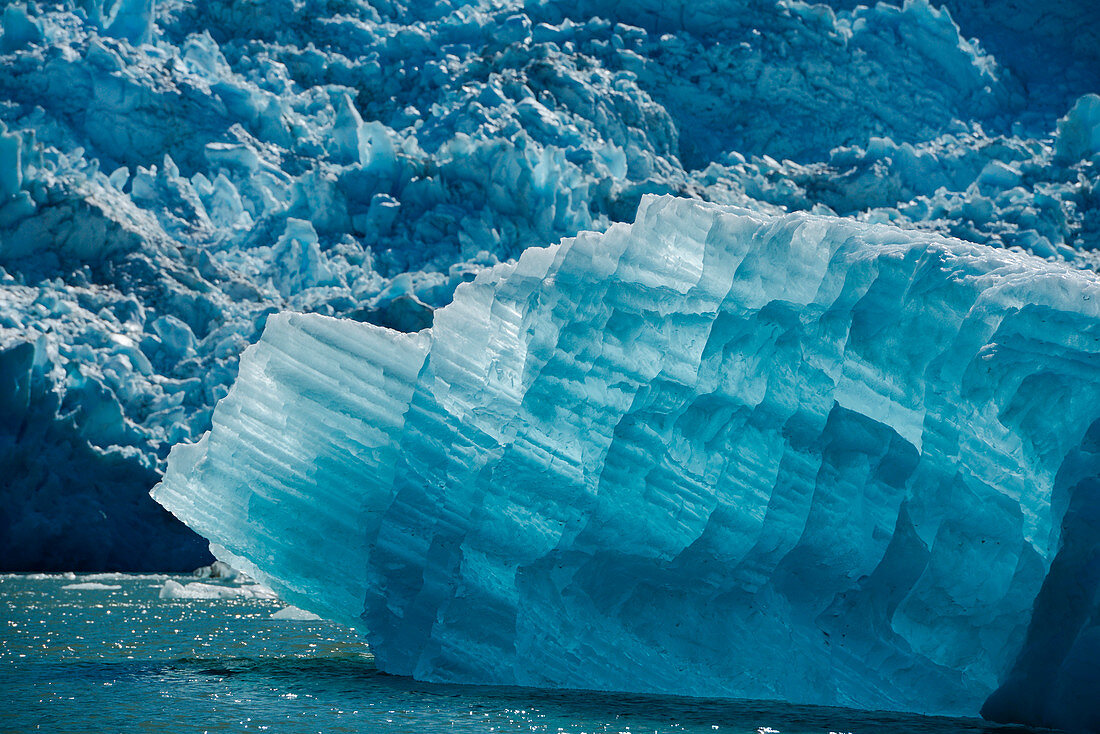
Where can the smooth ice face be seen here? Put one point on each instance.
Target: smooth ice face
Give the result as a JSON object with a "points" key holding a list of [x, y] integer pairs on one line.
{"points": [[713, 453]]}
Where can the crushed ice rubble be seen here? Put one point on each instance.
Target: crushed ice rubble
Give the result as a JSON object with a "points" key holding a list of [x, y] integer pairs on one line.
{"points": [[225, 582], [221, 581]]}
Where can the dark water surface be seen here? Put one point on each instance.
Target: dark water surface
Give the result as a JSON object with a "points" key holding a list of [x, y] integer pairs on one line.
{"points": [[121, 659]]}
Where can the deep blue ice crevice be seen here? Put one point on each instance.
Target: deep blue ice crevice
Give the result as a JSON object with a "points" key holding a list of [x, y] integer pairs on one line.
{"points": [[714, 452]]}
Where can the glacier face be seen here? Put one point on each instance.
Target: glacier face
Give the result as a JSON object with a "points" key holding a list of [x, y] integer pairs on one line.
{"points": [[173, 172], [715, 452]]}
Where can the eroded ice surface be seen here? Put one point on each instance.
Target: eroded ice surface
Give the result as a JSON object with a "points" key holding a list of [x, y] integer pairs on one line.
{"points": [[714, 452]]}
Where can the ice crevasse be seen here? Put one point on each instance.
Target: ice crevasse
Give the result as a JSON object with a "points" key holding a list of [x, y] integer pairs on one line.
{"points": [[713, 452]]}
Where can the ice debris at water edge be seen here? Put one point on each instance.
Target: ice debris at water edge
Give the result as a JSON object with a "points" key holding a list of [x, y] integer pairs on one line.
{"points": [[716, 452], [173, 172]]}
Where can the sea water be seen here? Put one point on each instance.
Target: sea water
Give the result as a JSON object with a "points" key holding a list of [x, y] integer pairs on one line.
{"points": [[105, 653]]}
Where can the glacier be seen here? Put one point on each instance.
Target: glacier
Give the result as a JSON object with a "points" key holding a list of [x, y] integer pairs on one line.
{"points": [[713, 452]]}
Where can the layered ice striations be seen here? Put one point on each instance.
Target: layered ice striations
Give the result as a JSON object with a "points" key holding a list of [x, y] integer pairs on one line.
{"points": [[714, 452]]}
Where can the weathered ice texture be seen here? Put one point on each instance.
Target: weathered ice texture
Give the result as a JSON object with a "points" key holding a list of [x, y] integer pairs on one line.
{"points": [[714, 452]]}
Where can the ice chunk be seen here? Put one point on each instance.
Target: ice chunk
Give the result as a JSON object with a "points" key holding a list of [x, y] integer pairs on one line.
{"points": [[128, 19], [175, 336], [91, 586], [714, 452], [349, 142], [1000, 175], [1079, 131], [11, 169], [516, 29], [296, 258], [20, 30], [295, 614], [197, 590]]}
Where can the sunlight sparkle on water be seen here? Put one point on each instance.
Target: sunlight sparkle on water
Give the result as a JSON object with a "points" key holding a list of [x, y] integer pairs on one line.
{"points": [[226, 665]]}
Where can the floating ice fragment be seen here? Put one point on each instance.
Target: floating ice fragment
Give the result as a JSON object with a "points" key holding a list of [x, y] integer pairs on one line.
{"points": [[197, 590], [295, 614]]}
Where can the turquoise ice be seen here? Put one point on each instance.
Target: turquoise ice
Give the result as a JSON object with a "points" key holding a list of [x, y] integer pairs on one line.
{"points": [[174, 173], [713, 452]]}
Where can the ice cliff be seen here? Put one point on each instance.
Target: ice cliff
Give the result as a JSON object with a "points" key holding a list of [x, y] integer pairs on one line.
{"points": [[714, 452]]}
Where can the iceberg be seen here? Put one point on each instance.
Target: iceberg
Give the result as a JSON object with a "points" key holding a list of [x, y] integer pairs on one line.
{"points": [[714, 452]]}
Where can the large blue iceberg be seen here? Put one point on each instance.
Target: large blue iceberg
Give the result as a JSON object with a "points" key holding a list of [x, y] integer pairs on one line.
{"points": [[713, 452], [659, 449]]}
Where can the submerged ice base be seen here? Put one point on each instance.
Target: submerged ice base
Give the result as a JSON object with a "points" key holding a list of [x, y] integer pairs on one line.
{"points": [[714, 453]]}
